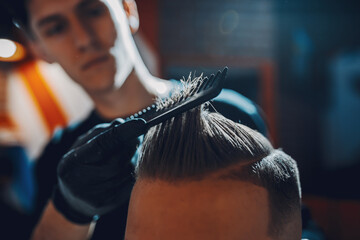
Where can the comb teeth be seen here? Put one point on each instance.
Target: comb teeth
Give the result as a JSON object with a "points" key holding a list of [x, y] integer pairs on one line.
{"points": [[198, 85], [180, 99], [204, 90], [212, 80], [206, 83], [142, 112]]}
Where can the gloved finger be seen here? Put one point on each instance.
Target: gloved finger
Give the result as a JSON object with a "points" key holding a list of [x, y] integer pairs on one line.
{"points": [[130, 129], [125, 133], [96, 131], [107, 137], [119, 139]]}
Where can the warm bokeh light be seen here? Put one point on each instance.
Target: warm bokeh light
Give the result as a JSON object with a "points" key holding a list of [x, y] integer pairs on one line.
{"points": [[7, 48], [11, 51]]}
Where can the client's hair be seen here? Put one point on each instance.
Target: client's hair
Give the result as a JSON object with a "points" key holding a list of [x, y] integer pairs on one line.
{"points": [[197, 143]]}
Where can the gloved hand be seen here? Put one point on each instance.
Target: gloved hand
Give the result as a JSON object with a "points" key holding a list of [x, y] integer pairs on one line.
{"points": [[96, 175]]}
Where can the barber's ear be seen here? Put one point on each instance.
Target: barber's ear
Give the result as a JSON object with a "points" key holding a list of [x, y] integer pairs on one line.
{"points": [[39, 51], [132, 15]]}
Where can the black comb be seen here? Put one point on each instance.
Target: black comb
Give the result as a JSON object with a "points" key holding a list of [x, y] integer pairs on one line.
{"points": [[205, 90]]}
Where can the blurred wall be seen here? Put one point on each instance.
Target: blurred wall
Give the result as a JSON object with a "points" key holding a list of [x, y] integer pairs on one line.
{"points": [[288, 56]]}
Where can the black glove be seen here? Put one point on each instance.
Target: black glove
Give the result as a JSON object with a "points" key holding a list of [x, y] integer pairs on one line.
{"points": [[96, 175]]}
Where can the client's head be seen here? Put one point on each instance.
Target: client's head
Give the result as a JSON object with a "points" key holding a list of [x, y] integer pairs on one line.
{"points": [[202, 176]]}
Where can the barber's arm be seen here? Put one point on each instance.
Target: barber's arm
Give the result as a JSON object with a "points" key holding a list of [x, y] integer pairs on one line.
{"points": [[94, 178], [53, 225]]}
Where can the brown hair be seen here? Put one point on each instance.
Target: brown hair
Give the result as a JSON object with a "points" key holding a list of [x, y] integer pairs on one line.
{"points": [[197, 143]]}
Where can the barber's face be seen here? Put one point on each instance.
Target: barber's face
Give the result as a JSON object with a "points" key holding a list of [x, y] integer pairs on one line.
{"points": [[82, 37], [199, 210]]}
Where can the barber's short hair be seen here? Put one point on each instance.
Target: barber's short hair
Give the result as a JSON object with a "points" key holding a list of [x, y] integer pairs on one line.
{"points": [[197, 143], [19, 13], [18, 9]]}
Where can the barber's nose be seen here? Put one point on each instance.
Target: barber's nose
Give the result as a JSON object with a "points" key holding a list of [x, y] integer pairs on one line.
{"points": [[84, 37]]}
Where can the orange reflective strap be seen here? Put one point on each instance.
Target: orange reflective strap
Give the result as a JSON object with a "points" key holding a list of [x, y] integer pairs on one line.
{"points": [[43, 97], [6, 121]]}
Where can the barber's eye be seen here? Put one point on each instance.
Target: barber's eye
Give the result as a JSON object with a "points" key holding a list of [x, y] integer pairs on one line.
{"points": [[96, 11], [55, 29]]}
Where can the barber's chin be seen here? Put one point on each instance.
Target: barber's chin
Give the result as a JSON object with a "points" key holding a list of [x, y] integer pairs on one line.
{"points": [[100, 90], [98, 83]]}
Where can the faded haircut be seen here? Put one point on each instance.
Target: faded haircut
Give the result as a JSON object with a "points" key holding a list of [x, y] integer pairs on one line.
{"points": [[197, 143]]}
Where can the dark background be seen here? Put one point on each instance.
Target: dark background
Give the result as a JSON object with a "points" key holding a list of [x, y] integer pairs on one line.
{"points": [[299, 60]]}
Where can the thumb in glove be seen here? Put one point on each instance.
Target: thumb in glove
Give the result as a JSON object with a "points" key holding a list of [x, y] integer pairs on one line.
{"points": [[96, 175]]}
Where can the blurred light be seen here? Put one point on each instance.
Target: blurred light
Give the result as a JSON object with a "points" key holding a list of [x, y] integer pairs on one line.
{"points": [[11, 51], [7, 48], [229, 21], [161, 88]]}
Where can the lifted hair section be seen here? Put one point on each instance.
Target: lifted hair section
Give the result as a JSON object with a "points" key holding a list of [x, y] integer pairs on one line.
{"points": [[184, 90], [189, 146], [196, 142]]}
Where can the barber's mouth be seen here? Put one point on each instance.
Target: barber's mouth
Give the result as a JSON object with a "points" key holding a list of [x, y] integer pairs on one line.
{"points": [[94, 62]]}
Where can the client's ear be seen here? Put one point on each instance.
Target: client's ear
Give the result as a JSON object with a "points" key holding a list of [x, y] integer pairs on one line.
{"points": [[38, 50], [132, 15]]}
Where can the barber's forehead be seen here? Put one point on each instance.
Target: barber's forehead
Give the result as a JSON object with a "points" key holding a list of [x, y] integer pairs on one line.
{"points": [[41, 8]]}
